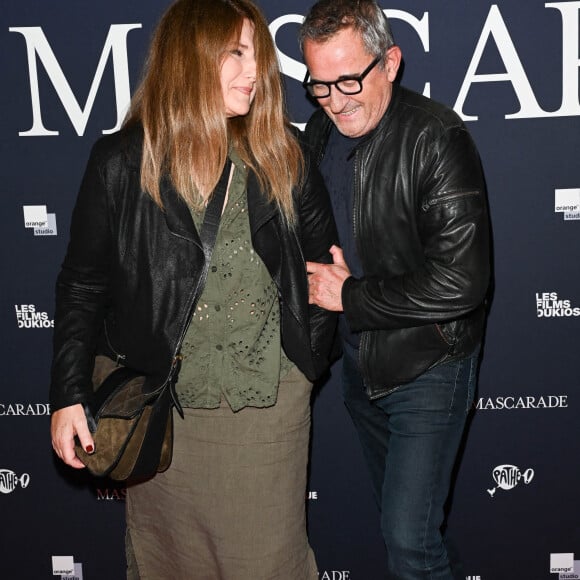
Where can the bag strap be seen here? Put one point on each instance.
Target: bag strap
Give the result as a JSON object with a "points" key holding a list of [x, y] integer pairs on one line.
{"points": [[148, 462], [208, 235]]}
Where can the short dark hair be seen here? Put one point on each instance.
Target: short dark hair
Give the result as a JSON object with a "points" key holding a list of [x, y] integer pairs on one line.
{"points": [[328, 17]]}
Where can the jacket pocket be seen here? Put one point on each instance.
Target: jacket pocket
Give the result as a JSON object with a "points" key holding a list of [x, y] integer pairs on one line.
{"points": [[394, 357], [448, 198]]}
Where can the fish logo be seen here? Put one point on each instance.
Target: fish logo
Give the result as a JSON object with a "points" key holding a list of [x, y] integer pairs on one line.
{"points": [[9, 481], [508, 476]]}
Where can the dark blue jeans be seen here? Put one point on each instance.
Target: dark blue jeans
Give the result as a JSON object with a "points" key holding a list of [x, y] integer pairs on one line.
{"points": [[410, 440]]}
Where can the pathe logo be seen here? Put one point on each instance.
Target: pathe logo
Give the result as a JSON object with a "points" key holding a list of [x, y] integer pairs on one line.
{"points": [[28, 317], [549, 305], [565, 566], [567, 201], [67, 568], [9, 481], [37, 218], [508, 476]]}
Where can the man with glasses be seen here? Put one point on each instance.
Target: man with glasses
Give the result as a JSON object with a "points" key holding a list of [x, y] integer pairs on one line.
{"points": [[411, 276]]}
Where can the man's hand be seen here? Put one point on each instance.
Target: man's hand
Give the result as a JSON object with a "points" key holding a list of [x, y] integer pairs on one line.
{"points": [[325, 281]]}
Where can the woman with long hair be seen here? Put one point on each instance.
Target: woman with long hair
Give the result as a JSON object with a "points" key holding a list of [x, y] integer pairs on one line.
{"points": [[231, 506]]}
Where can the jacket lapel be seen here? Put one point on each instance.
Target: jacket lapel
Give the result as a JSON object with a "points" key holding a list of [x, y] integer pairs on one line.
{"points": [[260, 210], [177, 214], [180, 222], [265, 229]]}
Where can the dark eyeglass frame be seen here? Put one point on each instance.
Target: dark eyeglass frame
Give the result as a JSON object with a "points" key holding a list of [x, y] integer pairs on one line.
{"points": [[309, 85]]}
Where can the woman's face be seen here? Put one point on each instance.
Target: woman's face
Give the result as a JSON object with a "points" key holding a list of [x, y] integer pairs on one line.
{"points": [[238, 74]]}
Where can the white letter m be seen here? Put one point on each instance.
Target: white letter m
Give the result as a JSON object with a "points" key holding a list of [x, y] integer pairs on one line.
{"points": [[115, 44]]}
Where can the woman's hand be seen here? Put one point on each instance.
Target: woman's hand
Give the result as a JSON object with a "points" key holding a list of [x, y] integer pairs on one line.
{"points": [[65, 424]]}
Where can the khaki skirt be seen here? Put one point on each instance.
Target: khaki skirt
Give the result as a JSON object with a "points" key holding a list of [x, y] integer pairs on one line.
{"points": [[232, 504]]}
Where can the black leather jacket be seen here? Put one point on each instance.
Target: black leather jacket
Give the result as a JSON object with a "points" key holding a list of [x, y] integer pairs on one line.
{"points": [[422, 234], [125, 288]]}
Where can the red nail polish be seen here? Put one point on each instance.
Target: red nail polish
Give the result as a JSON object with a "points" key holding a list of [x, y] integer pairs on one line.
{"points": [[89, 448]]}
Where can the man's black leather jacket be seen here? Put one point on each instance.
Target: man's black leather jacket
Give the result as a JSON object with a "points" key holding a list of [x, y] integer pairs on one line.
{"points": [[125, 288], [422, 234]]}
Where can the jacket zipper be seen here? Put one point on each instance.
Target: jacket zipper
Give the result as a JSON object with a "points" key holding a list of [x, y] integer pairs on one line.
{"points": [[295, 235], [119, 358], [445, 198], [355, 220]]}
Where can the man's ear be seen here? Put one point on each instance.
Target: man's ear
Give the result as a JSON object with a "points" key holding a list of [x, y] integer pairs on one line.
{"points": [[393, 62]]}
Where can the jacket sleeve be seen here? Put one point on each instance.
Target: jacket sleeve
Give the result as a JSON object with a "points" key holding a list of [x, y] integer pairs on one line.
{"points": [[454, 231], [318, 234], [81, 291]]}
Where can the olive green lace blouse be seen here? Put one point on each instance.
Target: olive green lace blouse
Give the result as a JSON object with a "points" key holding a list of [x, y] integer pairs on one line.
{"points": [[233, 347]]}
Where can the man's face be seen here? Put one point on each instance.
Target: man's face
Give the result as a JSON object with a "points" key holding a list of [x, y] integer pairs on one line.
{"points": [[344, 54]]}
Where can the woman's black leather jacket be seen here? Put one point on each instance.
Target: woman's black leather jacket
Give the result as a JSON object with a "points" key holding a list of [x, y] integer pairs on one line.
{"points": [[125, 288], [422, 234]]}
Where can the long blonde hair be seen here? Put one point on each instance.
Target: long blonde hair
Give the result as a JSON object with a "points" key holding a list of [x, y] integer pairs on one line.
{"points": [[181, 108]]}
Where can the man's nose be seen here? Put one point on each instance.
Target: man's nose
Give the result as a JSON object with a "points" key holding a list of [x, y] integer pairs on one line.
{"points": [[336, 100]]}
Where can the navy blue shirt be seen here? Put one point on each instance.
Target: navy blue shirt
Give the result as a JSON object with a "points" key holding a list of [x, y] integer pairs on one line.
{"points": [[337, 169]]}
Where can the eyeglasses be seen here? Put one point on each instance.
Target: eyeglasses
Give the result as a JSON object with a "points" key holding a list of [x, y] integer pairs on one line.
{"points": [[347, 85]]}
